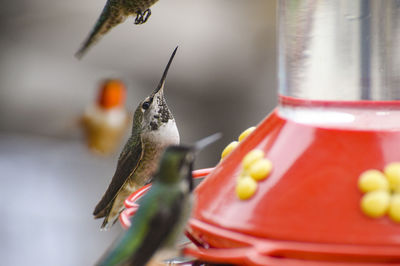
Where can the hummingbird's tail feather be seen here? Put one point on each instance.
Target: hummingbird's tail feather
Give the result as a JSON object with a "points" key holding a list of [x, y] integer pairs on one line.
{"points": [[110, 220], [111, 210], [108, 19], [109, 216], [105, 225]]}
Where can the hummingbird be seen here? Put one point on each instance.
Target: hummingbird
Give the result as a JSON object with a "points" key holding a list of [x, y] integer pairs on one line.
{"points": [[115, 12], [105, 121], [153, 129], [163, 211]]}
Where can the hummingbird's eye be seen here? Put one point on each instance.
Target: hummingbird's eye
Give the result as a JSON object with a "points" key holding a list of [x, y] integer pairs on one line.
{"points": [[145, 105]]}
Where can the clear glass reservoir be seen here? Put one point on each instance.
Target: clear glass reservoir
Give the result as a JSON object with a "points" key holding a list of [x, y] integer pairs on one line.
{"points": [[339, 62]]}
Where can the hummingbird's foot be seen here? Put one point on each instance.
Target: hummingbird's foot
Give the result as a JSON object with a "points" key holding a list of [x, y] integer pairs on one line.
{"points": [[142, 17], [146, 14]]}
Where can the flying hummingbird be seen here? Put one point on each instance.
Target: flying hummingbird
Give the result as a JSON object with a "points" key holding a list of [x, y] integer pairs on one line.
{"points": [[163, 211], [154, 129], [115, 12]]}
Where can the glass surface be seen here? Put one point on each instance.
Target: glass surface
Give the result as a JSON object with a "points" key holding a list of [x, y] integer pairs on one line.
{"points": [[339, 49], [357, 115]]}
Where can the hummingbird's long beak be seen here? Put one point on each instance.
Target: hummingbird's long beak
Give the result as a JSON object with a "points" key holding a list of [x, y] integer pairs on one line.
{"points": [[201, 144], [160, 86]]}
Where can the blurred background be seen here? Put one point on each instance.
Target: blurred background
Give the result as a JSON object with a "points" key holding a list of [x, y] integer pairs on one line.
{"points": [[222, 80]]}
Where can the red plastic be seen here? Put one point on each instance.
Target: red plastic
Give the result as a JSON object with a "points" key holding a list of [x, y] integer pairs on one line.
{"points": [[292, 101], [254, 251], [308, 208]]}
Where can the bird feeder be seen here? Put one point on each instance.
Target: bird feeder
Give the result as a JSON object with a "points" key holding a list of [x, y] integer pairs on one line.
{"points": [[338, 117]]}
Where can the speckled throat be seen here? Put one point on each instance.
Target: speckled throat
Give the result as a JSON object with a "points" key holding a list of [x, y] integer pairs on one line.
{"points": [[164, 111]]}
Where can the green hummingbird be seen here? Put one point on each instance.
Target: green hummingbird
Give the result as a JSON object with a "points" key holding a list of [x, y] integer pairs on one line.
{"points": [[115, 12], [154, 129], [163, 211]]}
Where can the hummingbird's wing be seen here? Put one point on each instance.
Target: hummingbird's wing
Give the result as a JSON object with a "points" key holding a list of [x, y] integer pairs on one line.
{"points": [[127, 164], [159, 213], [109, 17]]}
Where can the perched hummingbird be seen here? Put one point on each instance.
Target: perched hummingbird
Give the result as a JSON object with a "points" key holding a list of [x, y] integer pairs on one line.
{"points": [[106, 121], [163, 211], [154, 129], [115, 12]]}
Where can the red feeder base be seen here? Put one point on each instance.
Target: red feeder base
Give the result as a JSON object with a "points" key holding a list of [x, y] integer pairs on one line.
{"points": [[309, 206]]}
